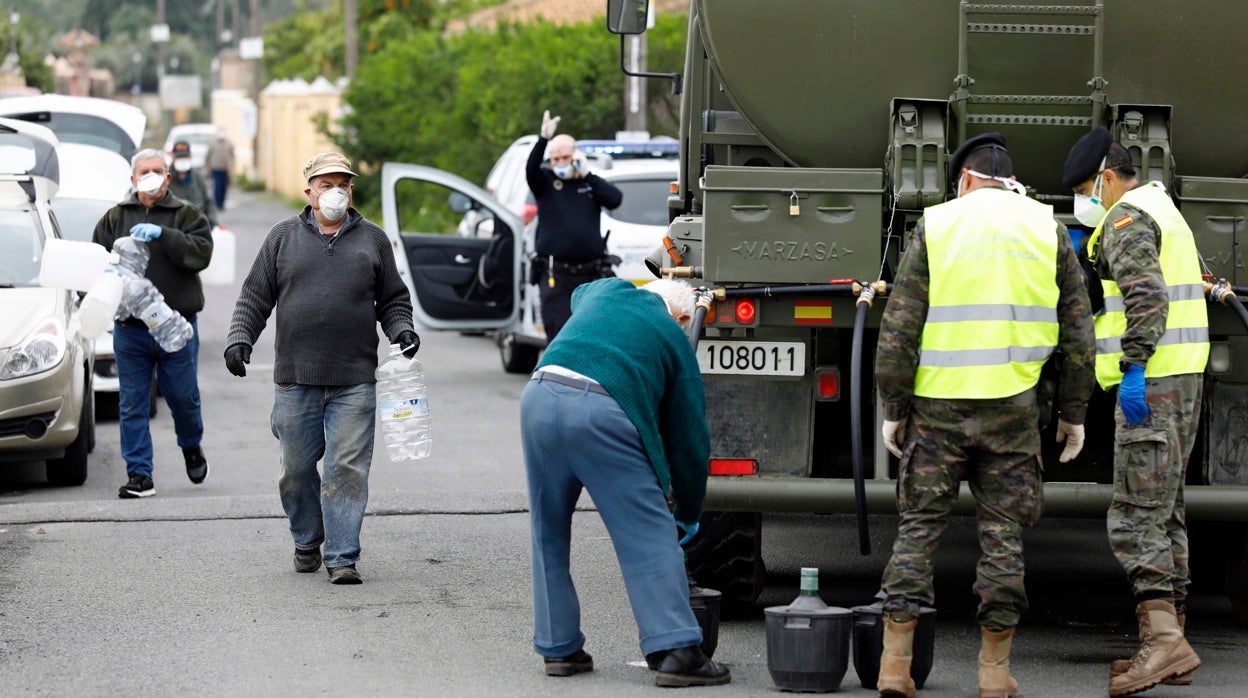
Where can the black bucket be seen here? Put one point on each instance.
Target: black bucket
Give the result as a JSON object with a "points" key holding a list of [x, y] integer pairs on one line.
{"points": [[807, 650], [869, 644], [705, 604]]}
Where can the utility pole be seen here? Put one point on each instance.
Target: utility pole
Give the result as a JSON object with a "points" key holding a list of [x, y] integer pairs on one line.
{"points": [[255, 93], [349, 18]]}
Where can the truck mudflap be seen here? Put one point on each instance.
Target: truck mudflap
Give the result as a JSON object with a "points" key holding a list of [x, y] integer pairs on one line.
{"points": [[836, 496]]}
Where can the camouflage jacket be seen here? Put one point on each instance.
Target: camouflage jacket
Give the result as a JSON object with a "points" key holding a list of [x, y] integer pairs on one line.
{"points": [[897, 355], [1130, 257]]}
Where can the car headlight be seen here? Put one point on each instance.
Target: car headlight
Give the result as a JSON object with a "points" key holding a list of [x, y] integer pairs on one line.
{"points": [[41, 350]]}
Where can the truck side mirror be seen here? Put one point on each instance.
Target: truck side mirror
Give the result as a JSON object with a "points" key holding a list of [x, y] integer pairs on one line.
{"points": [[627, 16]]}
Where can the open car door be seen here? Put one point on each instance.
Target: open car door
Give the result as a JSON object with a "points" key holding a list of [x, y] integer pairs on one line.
{"points": [[457, 282]]}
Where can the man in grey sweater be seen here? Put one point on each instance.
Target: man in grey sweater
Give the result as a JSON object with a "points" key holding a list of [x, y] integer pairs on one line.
{"points": [[331, 275]]}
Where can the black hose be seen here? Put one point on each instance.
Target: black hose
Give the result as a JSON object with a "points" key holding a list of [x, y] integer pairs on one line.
{"points": [[695, 327], [1240, 290], [855, 428], [804, 290], [1239, 309]]}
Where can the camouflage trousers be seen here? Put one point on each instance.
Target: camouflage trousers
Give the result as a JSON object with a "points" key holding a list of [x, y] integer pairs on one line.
{"points": [[1146, 520], [993, 445]]}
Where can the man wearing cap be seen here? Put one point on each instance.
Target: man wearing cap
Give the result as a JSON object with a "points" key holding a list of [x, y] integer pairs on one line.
{"points": [[569, 244], [331, 275], [1152, 341], [179, 241], [187, 184], [988, 288]]}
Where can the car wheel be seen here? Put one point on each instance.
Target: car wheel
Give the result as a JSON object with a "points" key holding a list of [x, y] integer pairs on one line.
{"points": [[70, 470], [88, 402], [516, 357]]}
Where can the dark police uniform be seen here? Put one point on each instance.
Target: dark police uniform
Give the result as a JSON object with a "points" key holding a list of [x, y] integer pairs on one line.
{"points": [[569, 242]]}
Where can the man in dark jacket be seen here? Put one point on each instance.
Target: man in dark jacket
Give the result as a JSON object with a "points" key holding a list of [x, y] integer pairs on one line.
{"points": [[331, 275], [569, 245], [189, 185], [617, 407], [180, 241]]}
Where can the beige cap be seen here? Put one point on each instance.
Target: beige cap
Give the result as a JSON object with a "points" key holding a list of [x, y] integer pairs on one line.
{"points": [[326, 163]]}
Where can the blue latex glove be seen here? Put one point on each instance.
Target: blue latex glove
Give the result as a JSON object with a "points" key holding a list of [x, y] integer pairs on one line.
{"points": [[145, 231], [1076, 238], [690, 530], [1131, 395]]}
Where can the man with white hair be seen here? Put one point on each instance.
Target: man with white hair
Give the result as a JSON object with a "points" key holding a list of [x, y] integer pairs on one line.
{"points": [[617, 407], [569, 245]]}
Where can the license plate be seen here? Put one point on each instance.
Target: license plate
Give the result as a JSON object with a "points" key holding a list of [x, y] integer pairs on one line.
{"points": [[752, 358]]}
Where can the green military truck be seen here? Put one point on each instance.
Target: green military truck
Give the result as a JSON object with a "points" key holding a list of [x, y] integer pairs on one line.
{"points": [[814, 133]]}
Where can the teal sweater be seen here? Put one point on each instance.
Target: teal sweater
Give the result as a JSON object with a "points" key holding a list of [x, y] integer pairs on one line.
{"points": [[624, 338]]}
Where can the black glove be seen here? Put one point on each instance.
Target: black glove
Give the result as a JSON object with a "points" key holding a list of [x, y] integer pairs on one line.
{"points": [[410, 342], [236, 358]]}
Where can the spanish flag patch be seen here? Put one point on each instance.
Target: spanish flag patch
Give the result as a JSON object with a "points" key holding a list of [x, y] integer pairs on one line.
{"points": [[1123, 222]]}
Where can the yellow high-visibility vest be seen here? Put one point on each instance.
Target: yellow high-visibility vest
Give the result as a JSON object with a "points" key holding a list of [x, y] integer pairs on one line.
{"points": [[992, 296], [1184, 347]]}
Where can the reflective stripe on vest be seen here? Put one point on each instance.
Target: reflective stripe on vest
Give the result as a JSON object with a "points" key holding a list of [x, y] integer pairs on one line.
{"points": [[997, 246], [1184, 347]]}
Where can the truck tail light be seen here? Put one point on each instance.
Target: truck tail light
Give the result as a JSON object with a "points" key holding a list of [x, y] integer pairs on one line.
{"points": [[828, 383], [734, 466], [746, 311]]}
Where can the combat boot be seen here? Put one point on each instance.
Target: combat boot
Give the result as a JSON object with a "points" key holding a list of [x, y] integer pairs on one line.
{"points": [[994, 664], [1163, 652], [895, 677], [1120, 666]]}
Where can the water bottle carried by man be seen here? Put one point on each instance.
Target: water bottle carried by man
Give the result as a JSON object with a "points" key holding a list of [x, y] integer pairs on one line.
{"points": [[140, 299], [403, 403]]}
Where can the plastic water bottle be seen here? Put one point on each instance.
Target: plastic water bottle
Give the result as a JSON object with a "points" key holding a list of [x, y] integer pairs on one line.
{"points": [[167, 326], [95, 314], [132, 255], [403, 404]]}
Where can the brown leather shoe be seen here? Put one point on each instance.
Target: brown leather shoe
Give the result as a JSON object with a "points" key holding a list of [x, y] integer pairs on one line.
{"points": [[344, 575], [574, 663], [688, 666]]}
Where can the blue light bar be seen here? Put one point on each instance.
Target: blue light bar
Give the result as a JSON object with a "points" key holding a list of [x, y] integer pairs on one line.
{"points": [[666, 148]]}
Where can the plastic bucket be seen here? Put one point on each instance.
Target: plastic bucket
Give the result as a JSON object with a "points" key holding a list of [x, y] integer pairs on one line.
{"points": [[869, 644], [72, 264], [807, 651], [705, 604], [220, 269]]}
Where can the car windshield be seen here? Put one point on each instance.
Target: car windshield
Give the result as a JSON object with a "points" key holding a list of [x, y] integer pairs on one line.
{"points": [[645, 201], [21, 249], [84, 129], [77, 217]]}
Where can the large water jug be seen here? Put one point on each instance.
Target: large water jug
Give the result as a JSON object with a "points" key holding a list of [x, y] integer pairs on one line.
{"points": [[403, 404], [220, 270], [95, 313], [808, 640], [72, 264]]}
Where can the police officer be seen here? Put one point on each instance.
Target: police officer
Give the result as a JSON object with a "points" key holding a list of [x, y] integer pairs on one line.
{"points": [[569, 241], [1152, 341], [988, 288]]}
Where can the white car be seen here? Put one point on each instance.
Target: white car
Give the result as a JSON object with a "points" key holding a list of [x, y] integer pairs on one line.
{"points": [[104, 123], [462, 279], [199, 136]]}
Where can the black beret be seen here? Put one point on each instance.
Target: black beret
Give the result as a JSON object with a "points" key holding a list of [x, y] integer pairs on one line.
{"points": [[1085, 157], [983, 140]]}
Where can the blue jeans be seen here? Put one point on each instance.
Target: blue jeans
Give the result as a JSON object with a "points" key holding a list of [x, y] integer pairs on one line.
{"points": [[572, 439], [177, 374], [334, 422], [220, 183]]}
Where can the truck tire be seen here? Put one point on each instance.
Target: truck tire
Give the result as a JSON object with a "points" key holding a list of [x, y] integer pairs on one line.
{"points": [[516, 357], [70, 470], [727, 555]]}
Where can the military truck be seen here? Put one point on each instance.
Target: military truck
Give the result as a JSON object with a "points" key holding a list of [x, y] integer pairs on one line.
{"points": [[814, 133]]}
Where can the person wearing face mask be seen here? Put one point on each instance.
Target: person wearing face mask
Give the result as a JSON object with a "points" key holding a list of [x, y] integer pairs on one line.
{"points": [[179, 239], [987, 290], [331, 275], [617, 407], [1152, 343], [189, 185], [569, 246]]}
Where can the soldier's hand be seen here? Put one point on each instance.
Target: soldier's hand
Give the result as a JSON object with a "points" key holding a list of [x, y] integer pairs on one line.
{"points": [[894, 436], [1131, 395], [1073, 435], [237, 356], [549, 125]]}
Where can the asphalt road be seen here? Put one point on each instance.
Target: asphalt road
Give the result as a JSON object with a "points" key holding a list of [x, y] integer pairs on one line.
{"points": [[191, 592]]}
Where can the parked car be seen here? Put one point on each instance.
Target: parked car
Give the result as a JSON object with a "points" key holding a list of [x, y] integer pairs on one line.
{"points": [[466, 280], [199, 136], [104, 123], [46, 410]]}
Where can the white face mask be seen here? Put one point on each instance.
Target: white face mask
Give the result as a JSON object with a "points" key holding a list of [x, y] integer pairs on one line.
{"points": [[1008, 182], [563, 171], [333, 203], [182, 165], [150, 183], [1088, 209]]}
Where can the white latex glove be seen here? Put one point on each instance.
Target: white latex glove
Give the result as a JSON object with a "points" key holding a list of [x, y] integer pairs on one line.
{"points": [[1072, 434], [894, 434], [580, 164], [549, 125]]}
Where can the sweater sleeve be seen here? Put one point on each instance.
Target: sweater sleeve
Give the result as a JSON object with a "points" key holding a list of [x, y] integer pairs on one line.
{"points": [[258, 295], [686, 437], [393, 302]]}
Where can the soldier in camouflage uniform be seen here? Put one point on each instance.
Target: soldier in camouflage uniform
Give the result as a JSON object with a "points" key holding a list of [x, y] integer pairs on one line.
{"points": [[988, 435], [1153, 343]]}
